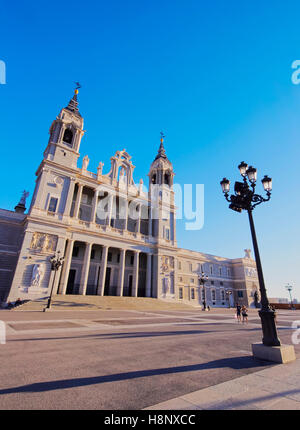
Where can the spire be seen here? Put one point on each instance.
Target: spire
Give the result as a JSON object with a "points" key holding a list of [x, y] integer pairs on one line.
{"points": [[161, 151], [73, 103]]}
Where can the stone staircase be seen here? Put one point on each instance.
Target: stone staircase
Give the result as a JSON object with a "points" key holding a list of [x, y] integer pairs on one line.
{"points": [[78, 302]]}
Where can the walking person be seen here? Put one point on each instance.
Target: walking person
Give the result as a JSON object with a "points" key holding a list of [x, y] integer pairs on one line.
{"points": [[238, 312], [245, 314], [275, 313]]}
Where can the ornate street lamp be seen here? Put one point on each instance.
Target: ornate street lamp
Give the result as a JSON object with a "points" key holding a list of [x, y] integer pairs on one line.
{"points": [[245, 198], [228, 294], [202, 279], [56, 262], [290, 288]]}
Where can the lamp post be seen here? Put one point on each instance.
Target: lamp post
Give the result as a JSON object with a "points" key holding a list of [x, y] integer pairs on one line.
{"points": [[228, 294], [202, 279], [289, 288], [245, 198], [56, 262]]}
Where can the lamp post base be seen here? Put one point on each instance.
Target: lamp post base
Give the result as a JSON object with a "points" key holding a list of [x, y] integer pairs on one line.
{"points": [[277, 354], [270, 337]]}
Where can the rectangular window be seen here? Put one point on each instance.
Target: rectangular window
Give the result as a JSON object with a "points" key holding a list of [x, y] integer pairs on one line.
{"points": [[192, 280], [212, 282], [213, 295], [191, 267], [240, 294], [220, 271], [211, 270], [228, 272], [52, 204], [221, 283], [192, 293], [180, 293], [179, 265], [167, 234]]}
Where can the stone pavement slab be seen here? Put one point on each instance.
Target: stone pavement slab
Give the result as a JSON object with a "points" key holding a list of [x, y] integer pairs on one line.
{"points": [[274, 388]]}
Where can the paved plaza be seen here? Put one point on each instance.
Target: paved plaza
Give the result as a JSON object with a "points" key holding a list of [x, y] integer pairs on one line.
{"points": [[135, 359]]}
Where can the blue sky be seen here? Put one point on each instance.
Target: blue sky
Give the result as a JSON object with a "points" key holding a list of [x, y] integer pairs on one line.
{"points": [[215, 76]]}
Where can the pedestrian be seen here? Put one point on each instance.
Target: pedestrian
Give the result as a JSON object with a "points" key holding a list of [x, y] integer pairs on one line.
{"points": [[208, 307], [245, 314], [18, 302], [275, 313], [238, 312]]}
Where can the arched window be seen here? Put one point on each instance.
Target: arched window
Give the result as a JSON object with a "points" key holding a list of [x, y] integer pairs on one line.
{"points": [[213, 294], [166, 178], [68, 136], [153, 180]]}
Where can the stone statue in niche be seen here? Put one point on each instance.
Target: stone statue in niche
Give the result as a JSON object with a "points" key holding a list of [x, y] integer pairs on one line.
{"points": [[38, 271], [166, 285], [85, 162], [122, 176]]}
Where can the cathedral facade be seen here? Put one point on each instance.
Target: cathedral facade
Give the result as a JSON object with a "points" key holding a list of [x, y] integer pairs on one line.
{"points": [[116, 239]]}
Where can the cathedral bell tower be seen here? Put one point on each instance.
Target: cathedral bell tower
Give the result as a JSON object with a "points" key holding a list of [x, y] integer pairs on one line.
{"points": [[161, 196], [66, 132], [57, 172]]}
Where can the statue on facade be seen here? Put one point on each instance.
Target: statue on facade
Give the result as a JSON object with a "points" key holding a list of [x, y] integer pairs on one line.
{"points": [[24, 196], [100, 168], [20, 208], [247, 253], [37, 275], [85, 162], [256, 302]]}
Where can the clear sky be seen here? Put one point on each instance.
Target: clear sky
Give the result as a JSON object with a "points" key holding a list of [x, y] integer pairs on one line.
{"points": [[214, 76]]}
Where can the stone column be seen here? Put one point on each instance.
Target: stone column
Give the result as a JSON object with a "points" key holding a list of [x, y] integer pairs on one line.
{"points": [[69, 199], [135, 279], [85, 268], [101, 285], [78, 200], [61, 132], [148, 275], [40, 196], [66, 267], [149, 222], [94, 207], [121, 272]]}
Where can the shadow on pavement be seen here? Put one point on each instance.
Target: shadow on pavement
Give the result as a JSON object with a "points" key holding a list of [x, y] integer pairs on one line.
{"points": [[243, 362]]}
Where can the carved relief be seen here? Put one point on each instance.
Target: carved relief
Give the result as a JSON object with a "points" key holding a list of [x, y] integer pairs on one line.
{"points": [[167, 263], [43, 242]]}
